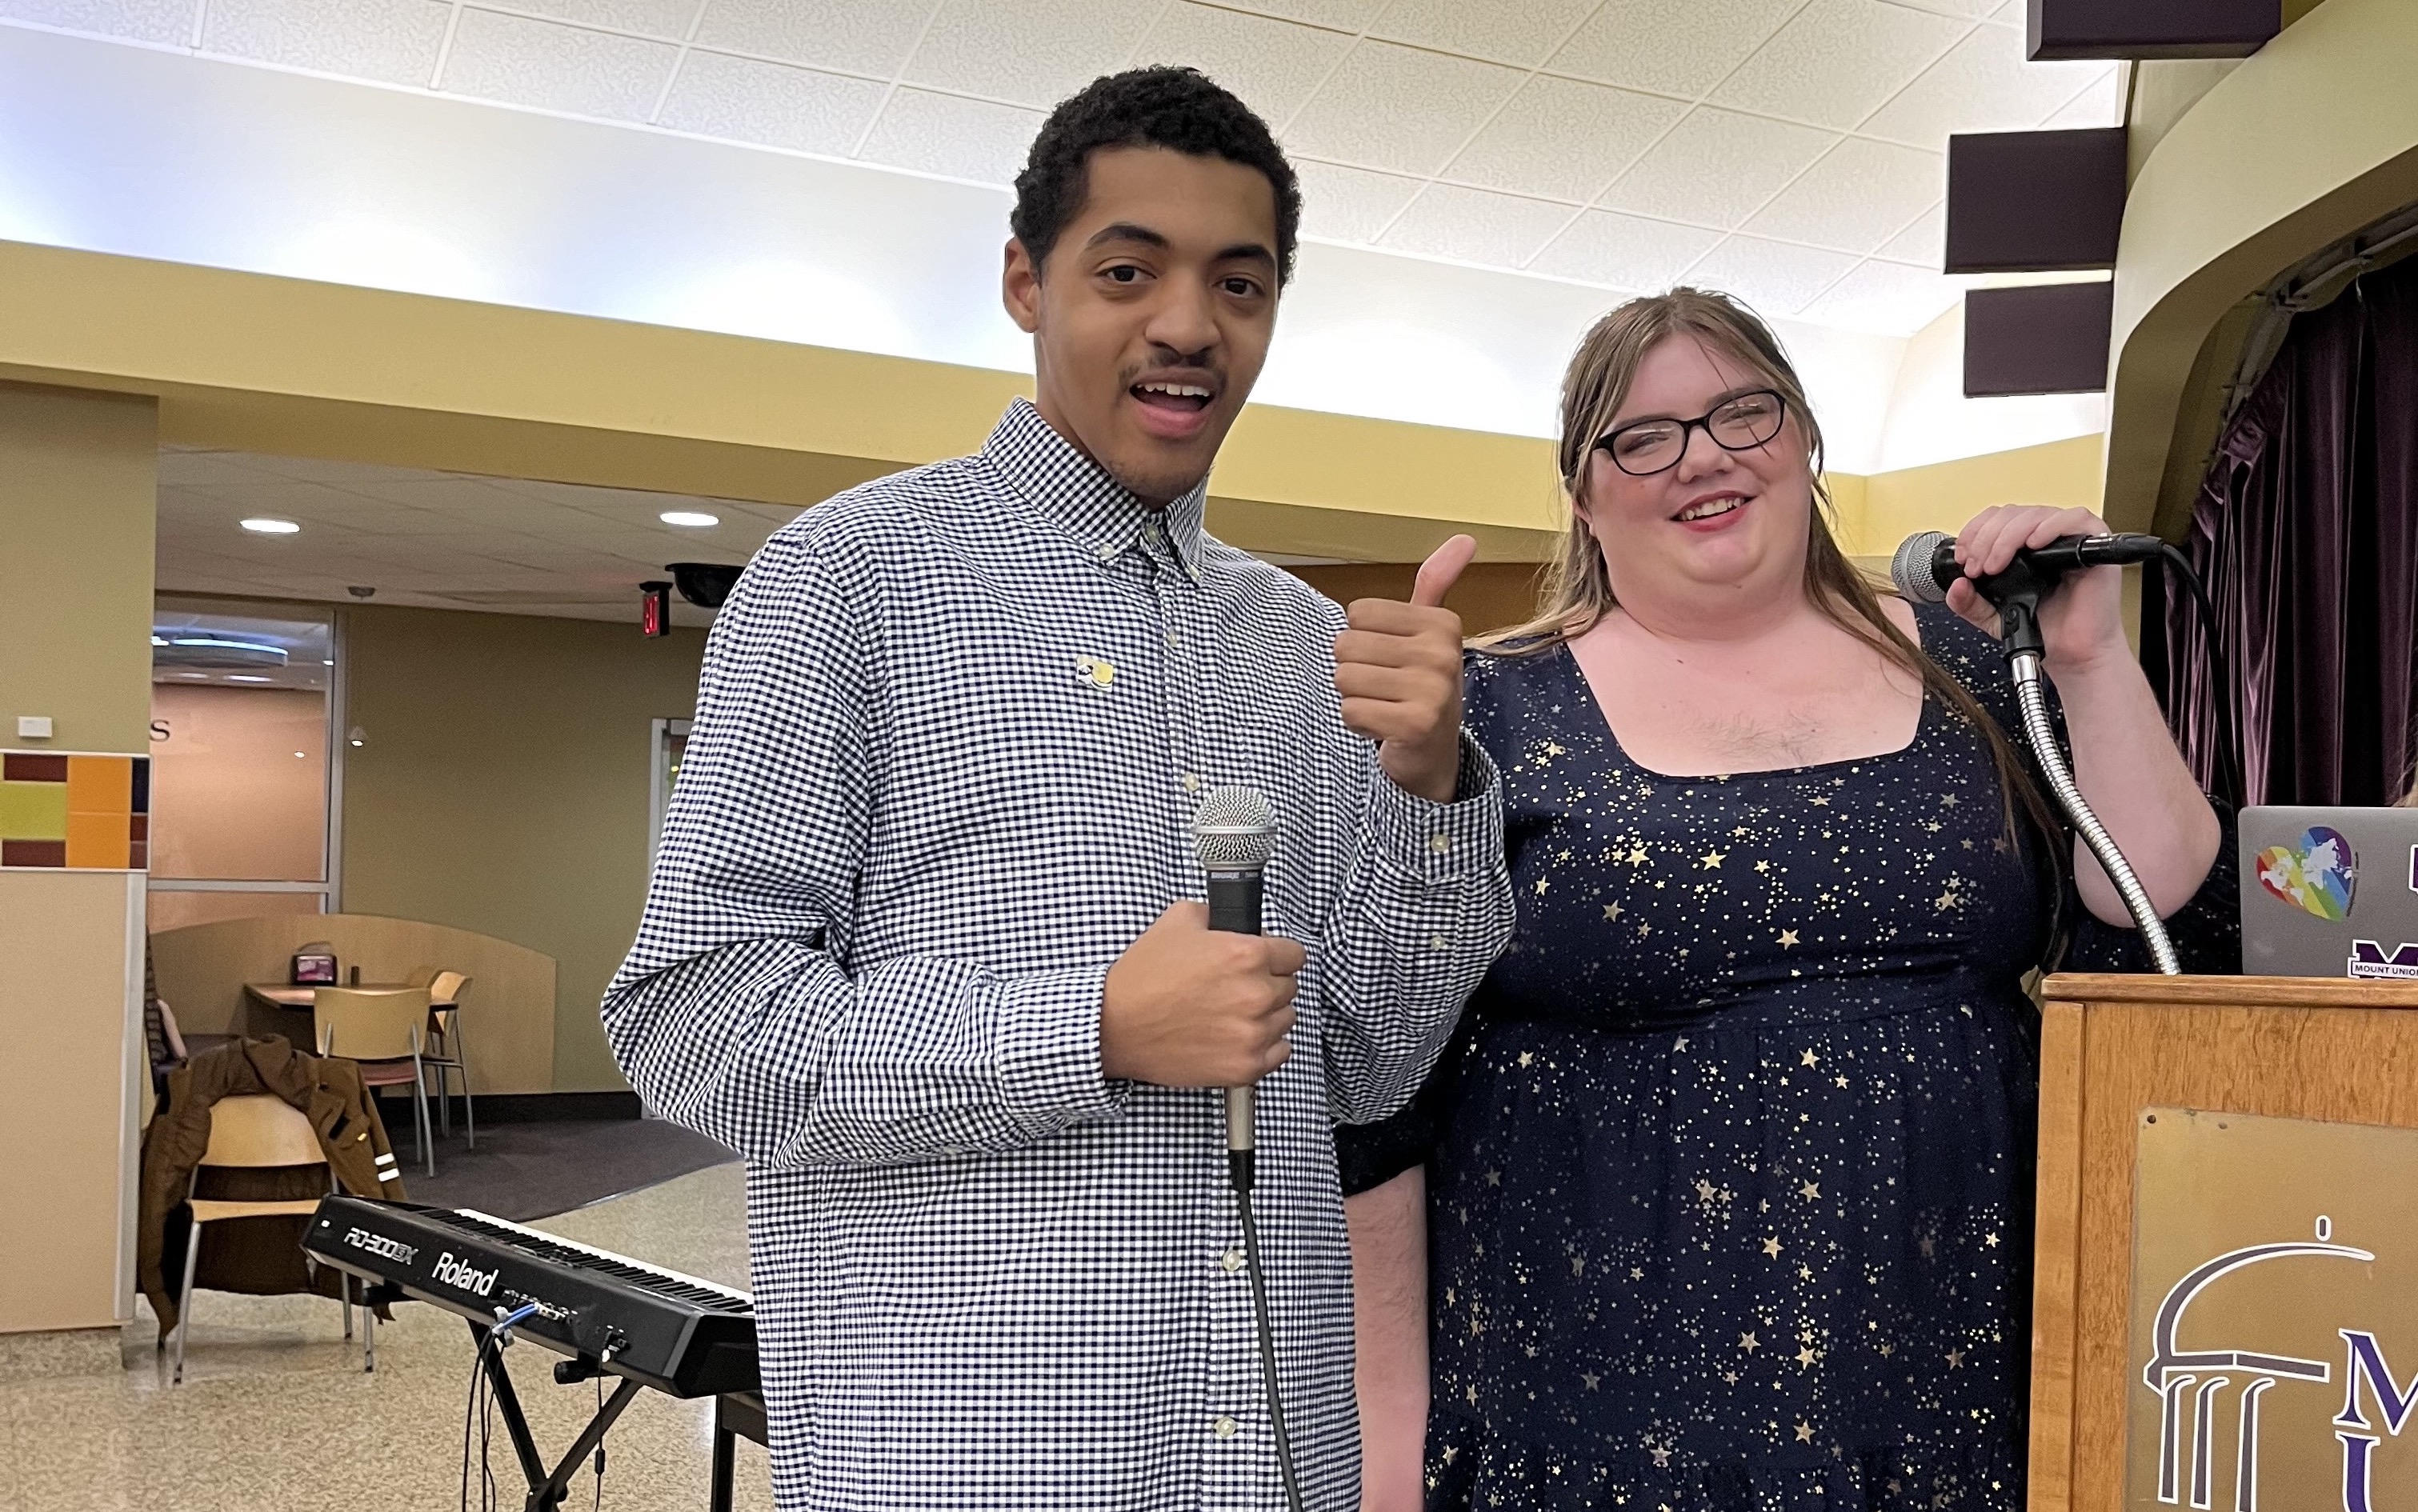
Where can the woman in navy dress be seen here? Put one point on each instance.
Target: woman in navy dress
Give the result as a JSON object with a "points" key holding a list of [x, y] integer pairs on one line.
{"points": [[1727, 1176]]}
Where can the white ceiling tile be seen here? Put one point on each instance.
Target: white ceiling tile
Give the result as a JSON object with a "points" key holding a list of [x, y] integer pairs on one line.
{"points": [[2102, 104], [1674, 50], [143, 21], [1343, 15], [1398, 107], [775, 103], [1961, 9], [668, 18], [1890, 299], [1273, 64], [201, 467], [1859, 196], [1981, 84], [860, 36], [1924, 243], [1524, 33], [1349, 203], [1837, 60], [1716, 168], [553, 67], [944, 134], [1562, 138], [1476, 226], [392, 41], [1033, 52], [1772, 277], [1626, 252]]}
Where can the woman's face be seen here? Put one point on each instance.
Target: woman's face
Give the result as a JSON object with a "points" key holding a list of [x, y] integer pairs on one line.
{"points": [[1717, 517]]}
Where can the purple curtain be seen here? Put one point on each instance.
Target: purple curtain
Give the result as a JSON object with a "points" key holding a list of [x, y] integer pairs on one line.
{"points": [[2307, 535]]}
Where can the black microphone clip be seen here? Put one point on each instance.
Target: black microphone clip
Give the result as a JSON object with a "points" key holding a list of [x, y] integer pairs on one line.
{"points": [[1925, 567]]}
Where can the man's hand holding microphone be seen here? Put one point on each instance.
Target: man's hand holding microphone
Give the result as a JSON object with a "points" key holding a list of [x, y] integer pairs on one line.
{"points": [[1190, 1006]]}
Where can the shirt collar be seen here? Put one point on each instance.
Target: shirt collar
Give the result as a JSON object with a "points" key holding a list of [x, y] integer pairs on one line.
{"points": [[1075, 492]]}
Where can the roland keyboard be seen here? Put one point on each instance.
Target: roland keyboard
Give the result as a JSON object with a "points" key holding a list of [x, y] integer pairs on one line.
{"points": [[658, 1327]]}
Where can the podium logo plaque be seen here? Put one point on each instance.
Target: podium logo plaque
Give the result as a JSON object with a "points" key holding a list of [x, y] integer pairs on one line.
{"points": [[2274, 1297]]}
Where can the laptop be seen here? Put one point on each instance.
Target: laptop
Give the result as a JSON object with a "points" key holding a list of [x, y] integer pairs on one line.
{"points": [[2330, 892]]}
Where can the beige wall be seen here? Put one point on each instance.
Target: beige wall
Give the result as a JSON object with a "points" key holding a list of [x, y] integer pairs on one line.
{"points": [[502, 787], [76, 507]]}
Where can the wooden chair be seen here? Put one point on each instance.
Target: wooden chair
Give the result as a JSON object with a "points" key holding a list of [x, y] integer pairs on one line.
{"points": [[445, 989], [382, 1030], [253, 1132]]}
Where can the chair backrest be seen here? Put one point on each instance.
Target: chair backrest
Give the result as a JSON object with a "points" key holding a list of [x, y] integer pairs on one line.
{"points": [[369, 1023], [260, 1130], [445, 989]]}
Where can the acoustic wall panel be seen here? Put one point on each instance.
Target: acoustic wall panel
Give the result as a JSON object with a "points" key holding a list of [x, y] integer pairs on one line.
{"points": [[2032, 201], [2045, 339], [2149, 28]]}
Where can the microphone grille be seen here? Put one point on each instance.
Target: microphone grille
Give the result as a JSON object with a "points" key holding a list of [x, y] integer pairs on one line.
{"points": [[1235, 829], [1910, 568]]}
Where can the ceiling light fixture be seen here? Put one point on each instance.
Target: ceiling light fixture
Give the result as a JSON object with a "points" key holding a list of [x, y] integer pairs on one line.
{"points": [[243, 676], [689, 519], [229, 645], [263, 525]]}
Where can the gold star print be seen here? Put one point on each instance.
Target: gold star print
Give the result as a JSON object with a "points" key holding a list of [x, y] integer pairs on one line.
{"points": [[1679, 1044], [1931, 827], [1787, 938], [1471, 1393], [1552, 750], [1967, 843], [1578, 1266], [1805, 1273], [1739, 834], [1637, 855], [1809, 1189], [1703, 1190], [1947, 801], [1840, 1082], [1807, 1355], [1590, 1380], [1808, 1058], [1636, 1272], [1888, 1349], [1990, 1241], [1820, 801], [1925, 1244], [1729, 1378], [1955, 1358], [1493, 1178], [1611, 911], [1804, 1432], [1746, 1342], [1999, 844], [1643, 930], [1763, 865], [1541, 882], [1949, 900], [1528, 1058], [1661, 1457], [1771, 1247], [1712, 860], [1452, 1449]]}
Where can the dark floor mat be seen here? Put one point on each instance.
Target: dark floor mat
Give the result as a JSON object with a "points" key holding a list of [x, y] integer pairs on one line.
{"points": [[534, 1170]]}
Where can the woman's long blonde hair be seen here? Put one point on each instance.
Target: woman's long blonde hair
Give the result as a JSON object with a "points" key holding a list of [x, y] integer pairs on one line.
{"points": [[1575, 590]]}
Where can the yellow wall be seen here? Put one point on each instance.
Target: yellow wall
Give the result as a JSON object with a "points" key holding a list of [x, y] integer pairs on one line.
{"points": [[76, 509], [502, 787], [1876, 514]]}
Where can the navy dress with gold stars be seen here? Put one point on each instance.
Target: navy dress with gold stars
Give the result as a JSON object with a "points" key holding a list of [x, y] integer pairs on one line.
{"points": [[1730, 1165]]}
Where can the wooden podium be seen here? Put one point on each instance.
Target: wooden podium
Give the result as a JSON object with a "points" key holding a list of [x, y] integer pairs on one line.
{"points": [[2113, 1051]]}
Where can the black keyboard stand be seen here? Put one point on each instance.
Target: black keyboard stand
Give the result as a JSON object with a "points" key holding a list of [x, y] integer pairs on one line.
{"points": [[547, 1489], [737, 1415]]}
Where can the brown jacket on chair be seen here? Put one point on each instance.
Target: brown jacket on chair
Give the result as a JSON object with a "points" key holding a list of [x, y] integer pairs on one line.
{"points": [[261, 1255]]}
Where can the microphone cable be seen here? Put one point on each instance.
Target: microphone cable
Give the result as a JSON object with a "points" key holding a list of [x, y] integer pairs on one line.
{"points": [[1242, 1173]]}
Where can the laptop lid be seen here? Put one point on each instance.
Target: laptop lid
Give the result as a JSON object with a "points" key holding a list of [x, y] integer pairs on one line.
{"points": [[2330, 892]]}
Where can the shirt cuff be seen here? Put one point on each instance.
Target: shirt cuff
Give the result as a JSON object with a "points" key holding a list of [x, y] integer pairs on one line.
{"points": [[1048, 1027], [1441, 841]]}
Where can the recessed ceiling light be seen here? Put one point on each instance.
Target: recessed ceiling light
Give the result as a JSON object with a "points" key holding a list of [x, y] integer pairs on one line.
{"points": [[241, 677], [159, 640], [263, 525], [692, 519]]}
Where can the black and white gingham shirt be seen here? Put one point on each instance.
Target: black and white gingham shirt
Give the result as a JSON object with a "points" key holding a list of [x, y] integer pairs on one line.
{"points": [[951, 730]]}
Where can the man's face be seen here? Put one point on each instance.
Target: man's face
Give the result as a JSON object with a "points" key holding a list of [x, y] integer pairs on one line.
{"points": [[1152, 317]]}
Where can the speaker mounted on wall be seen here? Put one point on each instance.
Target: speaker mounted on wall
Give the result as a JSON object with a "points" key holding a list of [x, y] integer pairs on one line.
{"points": [[2039, 339], [2028, 202], [2056, 29]]}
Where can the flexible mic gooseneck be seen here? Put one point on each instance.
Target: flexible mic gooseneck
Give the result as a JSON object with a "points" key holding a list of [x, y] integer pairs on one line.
{"points": [[1923, 569], [1234, 834]]}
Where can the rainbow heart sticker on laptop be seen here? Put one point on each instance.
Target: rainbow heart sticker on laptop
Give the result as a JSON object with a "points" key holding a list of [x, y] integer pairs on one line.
{"points": [[2316, 873]]}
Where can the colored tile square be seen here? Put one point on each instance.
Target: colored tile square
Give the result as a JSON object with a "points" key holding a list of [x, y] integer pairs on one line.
{"points": [[97, 841], [138, 827], [100, 784], [140, 800], [138, 856], [33, 852], [22, 766], [33, 811]]}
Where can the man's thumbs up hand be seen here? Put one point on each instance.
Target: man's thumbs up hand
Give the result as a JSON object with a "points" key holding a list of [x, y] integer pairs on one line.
{"points": [[1399, 670]]}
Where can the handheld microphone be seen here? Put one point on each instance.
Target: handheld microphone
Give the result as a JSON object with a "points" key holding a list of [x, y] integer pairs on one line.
{"points": [[1233, 834], [1925, 567]]}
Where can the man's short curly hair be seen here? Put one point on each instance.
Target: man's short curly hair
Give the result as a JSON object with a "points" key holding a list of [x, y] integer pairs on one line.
{"points": [[1178, 109]]}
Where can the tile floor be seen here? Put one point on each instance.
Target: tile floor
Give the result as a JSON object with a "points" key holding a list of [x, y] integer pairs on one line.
{"points": [[275, 1414]]}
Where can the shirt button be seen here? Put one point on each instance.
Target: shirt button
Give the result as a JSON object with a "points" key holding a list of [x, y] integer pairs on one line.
{"points": [[1191, 782], [1439, 841], [1173, 640], [1224, 1427], [1108, 553], [1439, 942], [1231, 1260]]}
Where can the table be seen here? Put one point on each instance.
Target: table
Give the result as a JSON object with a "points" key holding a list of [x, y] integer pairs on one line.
{"points": [[283, 995]]}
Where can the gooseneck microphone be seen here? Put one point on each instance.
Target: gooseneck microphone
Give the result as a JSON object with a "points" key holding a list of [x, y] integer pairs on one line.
{"points": [[1923, 569], [1234, 834]]}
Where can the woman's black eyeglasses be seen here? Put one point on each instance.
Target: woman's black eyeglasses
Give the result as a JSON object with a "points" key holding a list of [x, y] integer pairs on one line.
{"points": [[1739, 424]]}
